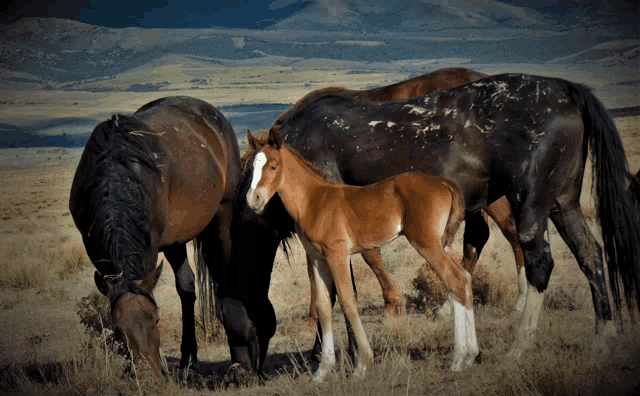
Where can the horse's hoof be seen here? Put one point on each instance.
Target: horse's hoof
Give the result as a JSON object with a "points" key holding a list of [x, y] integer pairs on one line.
{"points": [[359, 372], [236, 374]]}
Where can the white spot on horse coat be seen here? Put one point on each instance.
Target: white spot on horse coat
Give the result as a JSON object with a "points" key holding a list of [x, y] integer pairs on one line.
{"points": [[258, 164], [390, 124], [374, 123], [415, 109]]}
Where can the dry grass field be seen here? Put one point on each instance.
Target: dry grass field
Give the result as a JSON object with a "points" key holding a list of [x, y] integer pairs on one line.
{"points": [[52, 340]]}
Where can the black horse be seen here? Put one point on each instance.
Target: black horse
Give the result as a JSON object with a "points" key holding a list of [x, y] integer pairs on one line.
{"points": [[151, 182], [520, 136]]}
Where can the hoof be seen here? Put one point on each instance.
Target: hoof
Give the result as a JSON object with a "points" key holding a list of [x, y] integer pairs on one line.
{"points": [[360, 371], [394, 309], [237, 375]]}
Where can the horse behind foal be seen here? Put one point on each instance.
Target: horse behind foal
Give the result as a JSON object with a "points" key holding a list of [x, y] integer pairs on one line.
{"points": [[152, 182], [334, 221]]}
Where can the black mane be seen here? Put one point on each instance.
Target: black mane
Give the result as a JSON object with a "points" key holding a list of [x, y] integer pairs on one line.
{"points": [[115, 200]]}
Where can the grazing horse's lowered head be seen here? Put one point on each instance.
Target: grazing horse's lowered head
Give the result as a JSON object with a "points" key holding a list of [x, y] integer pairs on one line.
{"points": [[134, 313], [112, 189]]}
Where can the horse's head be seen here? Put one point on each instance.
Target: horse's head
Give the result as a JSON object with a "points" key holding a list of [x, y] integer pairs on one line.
{"points": [[267, 173], [135, 315]]}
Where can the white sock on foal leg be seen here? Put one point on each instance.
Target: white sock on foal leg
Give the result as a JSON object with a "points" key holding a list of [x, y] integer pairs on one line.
{"points": [[328, 358], [459, 336]]}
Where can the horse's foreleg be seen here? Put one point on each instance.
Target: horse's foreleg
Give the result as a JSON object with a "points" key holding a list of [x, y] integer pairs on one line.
{"points": [[500, 212], [393, 302], [320, 274], [476, 235], [532, 225], [340, 269], [185, 285]]}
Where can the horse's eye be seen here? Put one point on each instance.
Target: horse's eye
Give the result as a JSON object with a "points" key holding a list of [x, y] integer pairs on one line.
{"points": [[273, 167], [157, 321]]}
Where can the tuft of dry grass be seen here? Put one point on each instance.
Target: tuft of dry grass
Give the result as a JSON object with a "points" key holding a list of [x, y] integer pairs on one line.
{"points": [[26, 263]]}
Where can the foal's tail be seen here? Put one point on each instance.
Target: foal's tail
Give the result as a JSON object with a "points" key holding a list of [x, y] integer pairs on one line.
{"points": [[620, 232], [456, 215]]}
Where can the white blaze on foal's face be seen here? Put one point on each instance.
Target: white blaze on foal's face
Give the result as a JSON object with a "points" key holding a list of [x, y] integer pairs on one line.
{"points": [[258, 164], [265, 179]]}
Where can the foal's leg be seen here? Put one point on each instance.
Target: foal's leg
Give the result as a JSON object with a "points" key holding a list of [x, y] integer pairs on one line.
{"points": [[500, 212], [458, 282], [339, 264], [317, 346], [185, 285], [313, 310], [321, 276], [393, 302], [476, 234]]}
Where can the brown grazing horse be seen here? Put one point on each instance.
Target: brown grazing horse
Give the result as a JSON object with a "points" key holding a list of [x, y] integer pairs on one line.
{"points": [[499, 211], [150, 183], [334, 221]]}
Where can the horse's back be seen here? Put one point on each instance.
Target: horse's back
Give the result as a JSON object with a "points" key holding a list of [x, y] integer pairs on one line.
{"points": [[197, 139], [197, 153]]}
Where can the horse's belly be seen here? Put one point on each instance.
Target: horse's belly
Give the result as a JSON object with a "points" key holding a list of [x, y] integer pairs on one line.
{"points": [[187, 219]]}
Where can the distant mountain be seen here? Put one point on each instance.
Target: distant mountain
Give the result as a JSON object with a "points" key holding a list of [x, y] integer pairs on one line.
{"points": [[10, 136], [413, 16]]}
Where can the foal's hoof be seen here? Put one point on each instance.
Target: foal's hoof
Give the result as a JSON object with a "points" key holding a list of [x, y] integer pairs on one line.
{"points": [[394, 309]]}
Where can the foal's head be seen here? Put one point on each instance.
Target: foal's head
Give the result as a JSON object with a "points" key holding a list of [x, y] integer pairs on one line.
{"points": [[267, 174]]}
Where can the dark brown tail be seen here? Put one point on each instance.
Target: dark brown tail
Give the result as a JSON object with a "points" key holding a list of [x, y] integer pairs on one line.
{"points": [[457, 212]]}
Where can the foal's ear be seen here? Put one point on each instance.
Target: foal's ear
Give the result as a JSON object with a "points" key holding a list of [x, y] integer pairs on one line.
{"points": [[274, 138], [107, 288], [149, 283], [253, 142]]}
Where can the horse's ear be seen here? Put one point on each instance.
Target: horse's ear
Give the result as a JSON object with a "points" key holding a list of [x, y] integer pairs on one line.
{"points": [[107, 288], [149, 283], [253, 142], [275, 138]]}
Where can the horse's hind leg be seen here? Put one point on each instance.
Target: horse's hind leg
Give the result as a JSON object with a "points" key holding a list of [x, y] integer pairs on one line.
{"points": [[500, 212], [571, 225], [185, 285], [393, 302]]}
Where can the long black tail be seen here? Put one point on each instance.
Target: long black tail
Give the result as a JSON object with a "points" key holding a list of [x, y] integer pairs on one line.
{"points": [[614, 201], [207, 246]]}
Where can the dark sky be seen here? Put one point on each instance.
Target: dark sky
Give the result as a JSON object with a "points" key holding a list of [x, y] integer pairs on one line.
{"points": [[242, 13]]}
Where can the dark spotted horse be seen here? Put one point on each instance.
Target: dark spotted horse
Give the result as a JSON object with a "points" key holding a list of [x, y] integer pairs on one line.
{"points": [[520, 136], [149, 183], [499, 210]]}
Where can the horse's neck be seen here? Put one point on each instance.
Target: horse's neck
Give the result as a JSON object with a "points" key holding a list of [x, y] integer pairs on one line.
{"points": [[299, 185]]}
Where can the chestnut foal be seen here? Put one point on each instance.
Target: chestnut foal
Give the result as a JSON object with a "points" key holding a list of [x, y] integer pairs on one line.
{"points": [[334, 221]]}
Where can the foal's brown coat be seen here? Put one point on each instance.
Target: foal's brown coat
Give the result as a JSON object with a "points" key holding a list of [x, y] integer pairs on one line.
{"points": [[334, 221]]}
